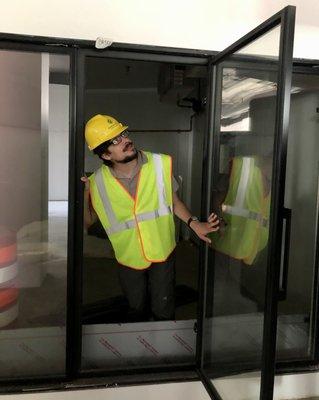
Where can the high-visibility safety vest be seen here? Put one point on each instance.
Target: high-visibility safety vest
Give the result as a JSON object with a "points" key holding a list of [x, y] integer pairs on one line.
{"points": [[141, 229], [245, 211]]}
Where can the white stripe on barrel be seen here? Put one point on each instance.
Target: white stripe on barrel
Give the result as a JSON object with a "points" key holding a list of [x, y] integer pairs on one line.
{"points": [[8, 273]]}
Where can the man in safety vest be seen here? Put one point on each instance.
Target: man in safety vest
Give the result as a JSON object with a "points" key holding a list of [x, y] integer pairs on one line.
{"points": [[132, 195]]}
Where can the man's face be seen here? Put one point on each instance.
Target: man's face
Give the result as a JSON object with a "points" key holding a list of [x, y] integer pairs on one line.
{"points": [[122, 152]]}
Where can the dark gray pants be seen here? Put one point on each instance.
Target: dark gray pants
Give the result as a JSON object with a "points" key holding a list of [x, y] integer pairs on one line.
{"points": [[150, 292]]}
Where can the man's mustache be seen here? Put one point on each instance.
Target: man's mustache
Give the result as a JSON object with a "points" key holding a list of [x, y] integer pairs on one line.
{"points": [[128, 144]]}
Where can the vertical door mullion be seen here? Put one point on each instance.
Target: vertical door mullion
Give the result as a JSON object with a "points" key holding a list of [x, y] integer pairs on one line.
{"points": [[207, 180], [277, 203], [315, 312], [205, 207], [210, 160], [75, 225]]}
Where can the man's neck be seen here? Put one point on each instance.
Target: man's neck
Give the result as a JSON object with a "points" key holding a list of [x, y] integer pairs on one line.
{"points": [[125, 169]]}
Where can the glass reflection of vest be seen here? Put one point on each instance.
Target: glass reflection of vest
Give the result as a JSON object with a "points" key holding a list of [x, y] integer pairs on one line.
{"points": [[245, 211]]}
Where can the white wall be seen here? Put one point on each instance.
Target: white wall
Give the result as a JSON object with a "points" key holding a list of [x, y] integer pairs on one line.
{"points": [[202, 24], [58, 142], [21, 176]]}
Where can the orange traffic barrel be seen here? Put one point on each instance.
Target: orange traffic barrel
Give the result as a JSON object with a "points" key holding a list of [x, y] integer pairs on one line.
{"points": [[8, 272], [8, 306], [8, 247]]}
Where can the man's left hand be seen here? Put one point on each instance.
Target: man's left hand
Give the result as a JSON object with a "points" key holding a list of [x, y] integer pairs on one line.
{"points": [[203, 228]]}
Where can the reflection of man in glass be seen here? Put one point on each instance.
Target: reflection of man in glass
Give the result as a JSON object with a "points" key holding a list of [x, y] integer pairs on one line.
{"points": [[133, 196], [245, 209]]}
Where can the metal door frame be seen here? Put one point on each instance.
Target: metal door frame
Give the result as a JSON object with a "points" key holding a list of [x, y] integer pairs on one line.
{"points": [[286, 20]]}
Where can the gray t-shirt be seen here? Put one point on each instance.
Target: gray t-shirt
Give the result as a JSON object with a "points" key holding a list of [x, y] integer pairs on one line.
{"points": [[130, 183]]}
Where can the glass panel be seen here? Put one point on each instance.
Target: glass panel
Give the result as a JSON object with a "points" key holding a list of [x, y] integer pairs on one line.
{"points": [[242, 178], [34, 131], [266, 47], [148, 97], [297, 303]]}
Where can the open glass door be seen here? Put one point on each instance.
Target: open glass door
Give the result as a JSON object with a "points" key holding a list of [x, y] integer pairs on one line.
{"points": [[246, 158]]}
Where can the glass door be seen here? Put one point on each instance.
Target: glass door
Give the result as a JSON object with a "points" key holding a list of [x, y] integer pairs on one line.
{"points": [[34, 211], [122, 330], [246, 158]]}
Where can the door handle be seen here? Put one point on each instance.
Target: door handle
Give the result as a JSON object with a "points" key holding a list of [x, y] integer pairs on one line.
{"points": [[284, 259]]}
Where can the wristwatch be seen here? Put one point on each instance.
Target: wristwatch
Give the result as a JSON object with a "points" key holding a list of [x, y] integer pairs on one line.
{"points": [[191, 219]]}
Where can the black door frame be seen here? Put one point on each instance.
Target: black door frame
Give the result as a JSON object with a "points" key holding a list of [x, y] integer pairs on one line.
{"points": [[24, 46], [125, 55], [73, 377], [285, 19], [72, 380]]}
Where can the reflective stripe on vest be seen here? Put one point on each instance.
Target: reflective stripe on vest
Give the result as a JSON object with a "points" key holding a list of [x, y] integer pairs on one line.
{"points": [[242, 212], [247, 165], [115, 225], [238, 209]]}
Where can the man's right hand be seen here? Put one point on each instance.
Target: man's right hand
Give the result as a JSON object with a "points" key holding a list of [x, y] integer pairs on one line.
{"points": [[86, 181], [89, 214]]}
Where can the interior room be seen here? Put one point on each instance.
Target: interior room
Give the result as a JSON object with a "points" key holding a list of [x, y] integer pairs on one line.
{"points": [[163, 105]]}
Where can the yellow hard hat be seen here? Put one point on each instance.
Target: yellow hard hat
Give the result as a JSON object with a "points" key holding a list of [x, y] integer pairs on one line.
{"points": [[100, 129]]}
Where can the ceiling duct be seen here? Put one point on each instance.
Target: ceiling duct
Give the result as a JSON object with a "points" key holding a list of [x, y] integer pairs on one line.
{"points": [[173, 83]]}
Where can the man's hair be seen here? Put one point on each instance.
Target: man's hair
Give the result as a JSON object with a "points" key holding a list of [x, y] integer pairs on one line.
{"points": [[100, 150]]}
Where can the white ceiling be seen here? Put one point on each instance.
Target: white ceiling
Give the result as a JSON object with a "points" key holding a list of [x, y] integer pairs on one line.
{"points": [[197, 24]]}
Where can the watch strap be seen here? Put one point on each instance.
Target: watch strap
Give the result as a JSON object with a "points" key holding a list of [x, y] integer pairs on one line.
{"points": [[191, 219]]}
